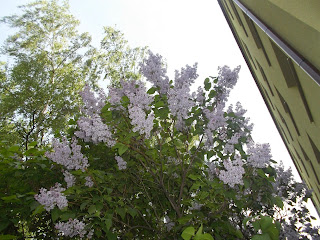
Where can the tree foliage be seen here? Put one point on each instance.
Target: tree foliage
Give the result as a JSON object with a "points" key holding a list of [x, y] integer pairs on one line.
{"points": [[50, 62], [157, 163]]}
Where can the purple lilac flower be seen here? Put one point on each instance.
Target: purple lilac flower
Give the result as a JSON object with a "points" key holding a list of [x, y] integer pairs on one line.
{"points": [[138, 118], [69, 178], [121, 163], [186, 76], [73, 228], [92, 129], [259, 155], [53, 197], [168, 223], [92, 104], [152, 69], [71, 158], [233, 173], [134, 90], [227, 78], [89, 182]]}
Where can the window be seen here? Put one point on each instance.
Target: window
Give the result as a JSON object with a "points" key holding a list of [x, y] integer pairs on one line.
{"points": [[290, 75], [287, 110], [249, 54], [227, 7], [315, 149], [256, 37], [265, 77], [284, 122], [238, 16]]}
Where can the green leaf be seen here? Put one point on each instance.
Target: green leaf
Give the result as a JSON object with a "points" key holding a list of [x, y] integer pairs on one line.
{"points": [[152, 90], [278, 201], [194, 176], [38, 209], [12, 198], [239, 234], [133, 212], [14, 148], [206, 236], [99, 206], [265, 223], [121, 212], [55, 214], [4, 225], [121, 148], [212, 93], [67, 216], [108, 223], [8, 237], [264, 236], [183, 220], [188, 233], [159, 104], [246, 183], [92, 209], [83, 205], [256, 225], [111, 236], [244, 222], [207, 84], [199, 232]]}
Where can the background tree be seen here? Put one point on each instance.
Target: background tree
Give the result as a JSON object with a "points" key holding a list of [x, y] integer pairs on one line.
{"points": [[50, 63]]}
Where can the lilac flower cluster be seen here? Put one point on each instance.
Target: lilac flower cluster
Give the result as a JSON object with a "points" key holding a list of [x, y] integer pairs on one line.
{"points": [[139, 121], [139, 103], [92, 129], [168, 223], [92, 104], [229, 147], [213, 171], [89, 182], [240, 119], [259, 155], [53, 197], [227, 79], [186, 76], [73, 228], [71, 158], [122, 164], [199, 96], [233, 173], [216, 120], [69, 179], [179, 98], [134, 90], [152, 69]]}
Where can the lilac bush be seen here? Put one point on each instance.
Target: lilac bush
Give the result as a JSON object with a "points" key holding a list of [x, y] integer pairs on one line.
{"points": [[168, 163]]}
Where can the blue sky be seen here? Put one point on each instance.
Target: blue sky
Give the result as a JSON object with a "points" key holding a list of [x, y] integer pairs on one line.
{"points": [[183, 32]]}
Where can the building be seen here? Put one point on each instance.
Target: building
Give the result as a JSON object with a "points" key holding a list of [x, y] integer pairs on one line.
{"points": [[280, 41]]}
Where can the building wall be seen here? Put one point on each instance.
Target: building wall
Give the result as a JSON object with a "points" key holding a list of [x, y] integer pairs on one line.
{"points": [[292, 97]]}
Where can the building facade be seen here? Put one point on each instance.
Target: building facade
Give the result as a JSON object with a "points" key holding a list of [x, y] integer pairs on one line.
{"points": [[280, 41]]}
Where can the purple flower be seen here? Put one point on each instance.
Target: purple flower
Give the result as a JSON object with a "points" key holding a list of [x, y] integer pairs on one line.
{"points": [[152, 69], [73, 228], [71, 158], [121, 163], [259, 155], [89, 182], [53, 197], [233, 173]]}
